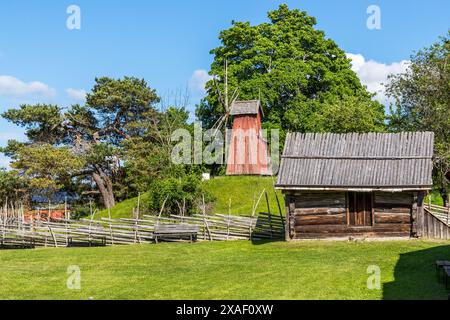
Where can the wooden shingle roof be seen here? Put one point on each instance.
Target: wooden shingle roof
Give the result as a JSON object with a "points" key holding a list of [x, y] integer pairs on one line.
{"points": [[245, 107], [357, 161]]}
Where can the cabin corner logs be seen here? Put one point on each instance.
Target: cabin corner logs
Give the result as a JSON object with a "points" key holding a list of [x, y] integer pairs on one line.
{"points": [[320, 214]]}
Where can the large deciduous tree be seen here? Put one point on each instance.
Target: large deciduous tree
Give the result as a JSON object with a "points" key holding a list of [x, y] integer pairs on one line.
{"points": [[86, 141], [422, 103], [302, 77]]}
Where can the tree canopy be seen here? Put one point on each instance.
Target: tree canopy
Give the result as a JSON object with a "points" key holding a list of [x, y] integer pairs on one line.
{"points": [[82, 141], [422, 103], [301, 77]]}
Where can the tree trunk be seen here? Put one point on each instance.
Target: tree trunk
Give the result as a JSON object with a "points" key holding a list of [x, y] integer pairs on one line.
{"points": [[105, 188], [109, 188], [445, 196], [446, 182]]}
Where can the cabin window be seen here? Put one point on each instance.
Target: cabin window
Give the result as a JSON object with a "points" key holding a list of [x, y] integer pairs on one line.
{"points": [[360, 209]]}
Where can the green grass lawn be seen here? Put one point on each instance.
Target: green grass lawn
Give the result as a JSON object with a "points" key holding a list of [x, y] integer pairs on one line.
{"points": [[233, 270], [241, 190]]}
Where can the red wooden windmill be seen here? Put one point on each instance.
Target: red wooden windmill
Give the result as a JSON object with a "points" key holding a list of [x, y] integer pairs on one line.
{"points": [[248, 151]]}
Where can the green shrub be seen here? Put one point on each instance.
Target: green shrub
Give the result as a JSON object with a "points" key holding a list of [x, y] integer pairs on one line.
{"points": [[79, 212], [179, 194]]}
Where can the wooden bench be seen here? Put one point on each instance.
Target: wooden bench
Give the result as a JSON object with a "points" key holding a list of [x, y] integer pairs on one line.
{"points": [[446, 276], [177, 231], [17, 243], [82, 242], [440, 264]]}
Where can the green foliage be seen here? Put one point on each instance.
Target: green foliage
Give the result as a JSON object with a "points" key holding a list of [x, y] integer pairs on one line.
{"points": [[435, 198], [13, 188], [422, 103], [300, 75], [148, 156], [79, 212], [47, 168], [348, 114], [118, 104], [43, 123], [12, 148], [182, 195]]}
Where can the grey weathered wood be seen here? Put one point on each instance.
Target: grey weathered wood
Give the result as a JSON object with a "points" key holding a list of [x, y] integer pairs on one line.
{"points": [[434, 227], [357, 160], [287, 204]]}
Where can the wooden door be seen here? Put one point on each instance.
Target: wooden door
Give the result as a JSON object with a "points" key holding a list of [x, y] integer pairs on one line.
{"points": [[360, 209]]}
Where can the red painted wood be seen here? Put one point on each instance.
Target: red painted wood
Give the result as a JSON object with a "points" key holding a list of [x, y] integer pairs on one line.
{"points": [[248, 152], [44, 215]]}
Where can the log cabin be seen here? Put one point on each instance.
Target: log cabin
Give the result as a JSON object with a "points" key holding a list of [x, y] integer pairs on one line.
{"points": [[355, 185]]}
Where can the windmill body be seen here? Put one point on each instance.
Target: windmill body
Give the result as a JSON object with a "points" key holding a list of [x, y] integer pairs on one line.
{"points": [[248, 151]]}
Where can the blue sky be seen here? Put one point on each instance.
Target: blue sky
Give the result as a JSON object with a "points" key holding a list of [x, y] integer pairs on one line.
{"points": [[168, 42]]}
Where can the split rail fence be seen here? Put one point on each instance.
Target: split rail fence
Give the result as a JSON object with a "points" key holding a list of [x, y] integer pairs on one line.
{"points": [[15, 232]]}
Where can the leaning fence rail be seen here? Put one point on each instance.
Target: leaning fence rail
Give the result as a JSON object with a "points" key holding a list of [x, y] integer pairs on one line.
{"points": [[442, 213]]}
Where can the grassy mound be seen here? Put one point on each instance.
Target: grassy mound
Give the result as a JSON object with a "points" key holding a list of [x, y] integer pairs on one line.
{"points": [[124, 209], [242, 191]]}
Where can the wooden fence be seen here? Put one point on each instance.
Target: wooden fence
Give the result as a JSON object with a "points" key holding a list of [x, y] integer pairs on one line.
{"points": [[436, 222], [17, 232], [442, 213]]}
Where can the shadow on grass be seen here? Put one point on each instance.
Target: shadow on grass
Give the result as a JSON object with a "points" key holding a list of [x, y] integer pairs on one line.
{"points": [[416, 277], [257, 242], [268, 230]]}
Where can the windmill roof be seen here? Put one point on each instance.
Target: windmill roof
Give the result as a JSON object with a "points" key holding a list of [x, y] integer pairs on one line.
{"points": [[245, 107]]}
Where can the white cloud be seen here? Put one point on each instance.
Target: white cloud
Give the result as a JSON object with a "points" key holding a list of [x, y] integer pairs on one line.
{"points": [[76, 94], [374, 74], [13, 87], [198, 80]]}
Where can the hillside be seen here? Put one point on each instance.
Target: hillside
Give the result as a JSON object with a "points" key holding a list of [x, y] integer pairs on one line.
{"points": [[243, 192]]}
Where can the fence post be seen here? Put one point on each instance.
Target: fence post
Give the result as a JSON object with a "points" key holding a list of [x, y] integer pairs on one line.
{"points": [[269, 216], [448, 210], [229, 219], [448, 214], [110, 227], [205, 221]]}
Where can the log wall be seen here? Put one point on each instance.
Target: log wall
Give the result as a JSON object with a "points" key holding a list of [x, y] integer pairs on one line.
{"points": [[311, 215]]}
